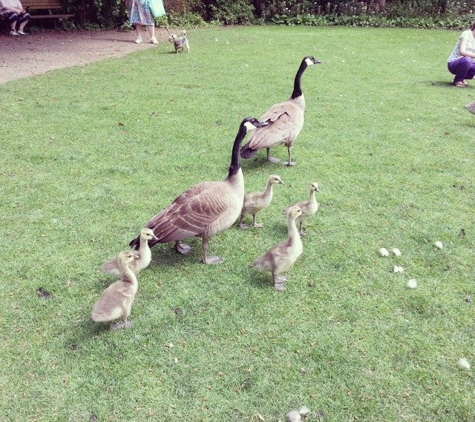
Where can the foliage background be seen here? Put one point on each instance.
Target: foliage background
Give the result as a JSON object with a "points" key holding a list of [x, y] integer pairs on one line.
{"points": [[193, 13]]}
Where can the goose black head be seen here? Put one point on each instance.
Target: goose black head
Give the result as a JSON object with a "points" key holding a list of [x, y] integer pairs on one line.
{"points": [[310, 60], [251, 123]]}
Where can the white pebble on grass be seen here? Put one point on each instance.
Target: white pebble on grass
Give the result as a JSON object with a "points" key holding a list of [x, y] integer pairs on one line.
{"points": [[293, 416], [412, 283], [439, 244], [396, 251], [398, 269], [463, 363], [383, 252]]}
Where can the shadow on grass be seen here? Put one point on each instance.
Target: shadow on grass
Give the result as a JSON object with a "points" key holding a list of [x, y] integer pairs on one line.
{"points": [[262, 279], [445, 84]]}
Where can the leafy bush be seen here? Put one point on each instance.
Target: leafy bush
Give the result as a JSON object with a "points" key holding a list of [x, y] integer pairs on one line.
{"points": [[99, 14], [239, 12], [182, 20], [373, 20]]}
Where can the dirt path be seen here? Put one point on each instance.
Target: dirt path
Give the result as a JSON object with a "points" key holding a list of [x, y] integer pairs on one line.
{"points": [[34, 54]]}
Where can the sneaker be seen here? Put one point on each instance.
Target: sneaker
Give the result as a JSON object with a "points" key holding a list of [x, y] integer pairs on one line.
{"points": [[21, 32], [14, 33], [153, 40], [138, 40]]}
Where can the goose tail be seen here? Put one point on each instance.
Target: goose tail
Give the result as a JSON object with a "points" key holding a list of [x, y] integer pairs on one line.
{"points": [[247, 152], [135, 243]]}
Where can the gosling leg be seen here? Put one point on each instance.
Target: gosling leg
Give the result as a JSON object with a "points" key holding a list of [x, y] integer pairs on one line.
{"points": [[279, 282], [243, 226], [256, 225]]}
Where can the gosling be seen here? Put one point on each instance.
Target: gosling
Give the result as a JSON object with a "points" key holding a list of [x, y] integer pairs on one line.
{"points": [[282, 256], [309, 208], [116, 301], [144, 253], [257, 201]]}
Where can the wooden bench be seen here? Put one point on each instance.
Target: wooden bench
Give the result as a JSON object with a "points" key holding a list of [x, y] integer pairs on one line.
{"points": [[47, 9]]}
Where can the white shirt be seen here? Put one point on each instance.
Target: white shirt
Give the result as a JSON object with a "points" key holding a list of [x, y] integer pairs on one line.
{"points": [[468, 35]]}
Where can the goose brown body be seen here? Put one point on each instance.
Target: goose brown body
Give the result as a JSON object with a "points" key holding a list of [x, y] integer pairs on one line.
{"points": [[144, 256], [257, 201], [116, 301], [309, 208], [206, 208], [285, 121], [282, 256]]}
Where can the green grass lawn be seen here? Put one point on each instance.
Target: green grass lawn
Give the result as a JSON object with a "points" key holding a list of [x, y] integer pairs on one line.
{"points": [[388, 141]]}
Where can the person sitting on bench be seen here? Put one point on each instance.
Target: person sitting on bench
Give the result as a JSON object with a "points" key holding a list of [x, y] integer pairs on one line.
{"points": [[17, 16]]}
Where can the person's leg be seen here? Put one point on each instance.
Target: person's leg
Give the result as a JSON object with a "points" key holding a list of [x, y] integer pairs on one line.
{"points": [[471, 72], [12, 20], [138, 31], [151, 31], [460, 68], [22, 21]]}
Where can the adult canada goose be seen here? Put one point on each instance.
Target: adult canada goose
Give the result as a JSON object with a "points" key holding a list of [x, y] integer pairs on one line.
{"points": [[257, 201], [206, 208], [116, 301], [137, 265], [471, 107], [309, 208], [285, 121], [280, 257]]}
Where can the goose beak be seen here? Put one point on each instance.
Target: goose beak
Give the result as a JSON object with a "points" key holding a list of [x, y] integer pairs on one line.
{"points": [[136, 256], [155, 237]]}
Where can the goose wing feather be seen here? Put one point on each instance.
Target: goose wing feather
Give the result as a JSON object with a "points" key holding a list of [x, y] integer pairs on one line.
{"points": [[285, 121], [192, 212]]}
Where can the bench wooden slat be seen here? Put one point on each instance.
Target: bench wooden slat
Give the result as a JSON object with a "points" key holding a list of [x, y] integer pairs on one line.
{"points": [[49, 5], [51, 16]]}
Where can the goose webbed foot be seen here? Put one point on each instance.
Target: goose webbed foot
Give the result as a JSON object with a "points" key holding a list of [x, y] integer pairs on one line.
{"points": [[243, 226], [121, 324], [290, 163], [302, 233], [279, 283], [211, 260], [273, 160], [182, 248]]}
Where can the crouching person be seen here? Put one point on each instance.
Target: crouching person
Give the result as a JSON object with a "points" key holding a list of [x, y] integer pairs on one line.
{"points": [[17, 16]]}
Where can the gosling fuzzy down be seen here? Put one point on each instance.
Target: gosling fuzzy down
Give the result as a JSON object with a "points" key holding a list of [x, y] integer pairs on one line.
{"points": [[205, 209], [470, 107], [116, 301], [144, 256], [285, 121], [309, 208], [180, 43], [257, 201], [282, 256]]}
